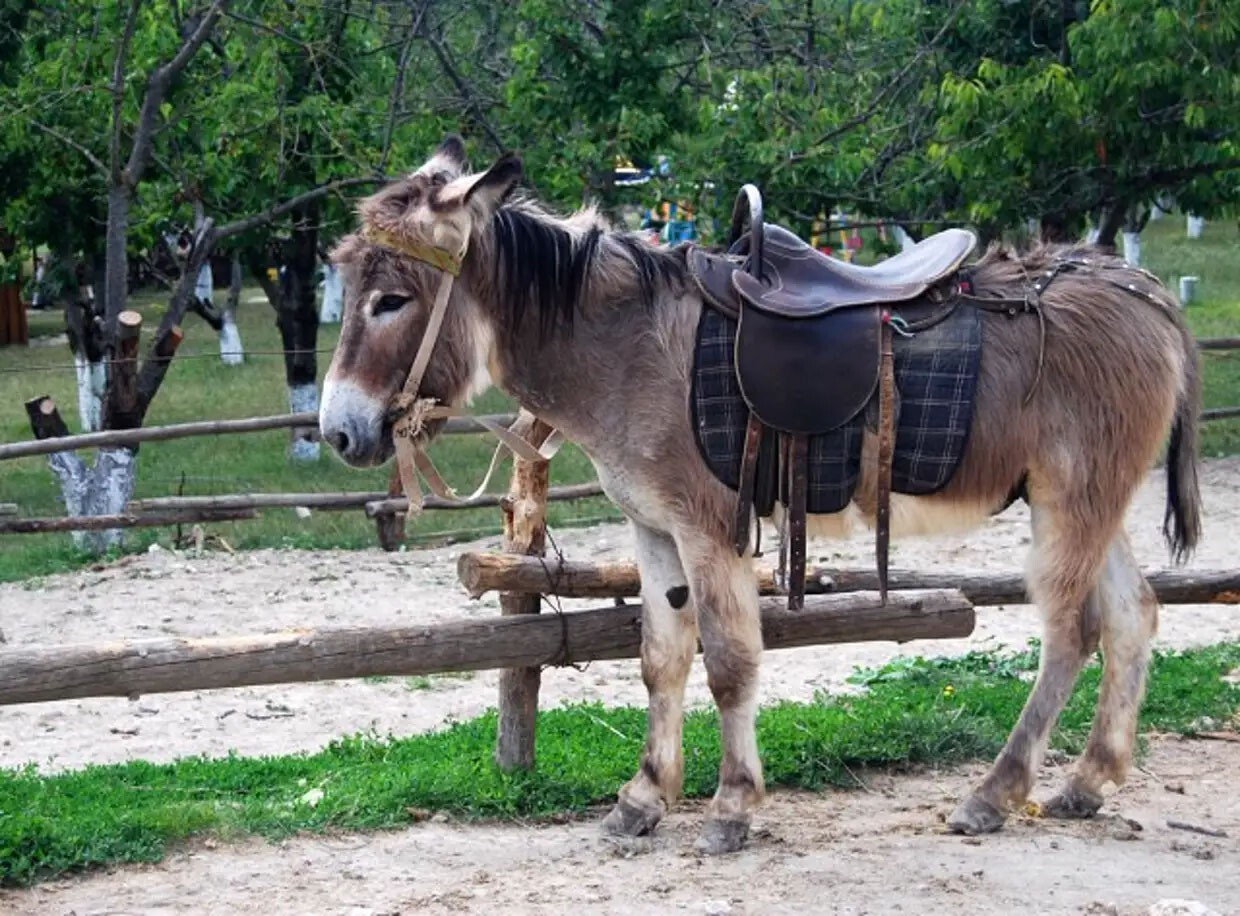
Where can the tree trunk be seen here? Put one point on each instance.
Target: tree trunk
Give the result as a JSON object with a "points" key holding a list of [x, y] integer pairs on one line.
{"points": [[299, 325], [85, 335], [1113, 218], [333, 296], [101, 489], [231, 351], [1059, 227], [116, 258]]}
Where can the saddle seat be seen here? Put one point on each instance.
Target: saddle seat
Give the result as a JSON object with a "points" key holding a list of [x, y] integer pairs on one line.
{"points": [[799, 281]]}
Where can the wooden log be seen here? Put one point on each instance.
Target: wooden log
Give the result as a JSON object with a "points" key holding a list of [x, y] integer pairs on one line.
{"points": [[123, 410], [1220, 413], [554, 494], [1219, 343], [45, 422], [524, 510], [341, 500], [482, 572], [64, 442], [130, 668], [126, 520]]}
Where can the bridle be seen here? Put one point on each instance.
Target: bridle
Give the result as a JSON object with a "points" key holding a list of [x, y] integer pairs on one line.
{"points": [[409, 412]]}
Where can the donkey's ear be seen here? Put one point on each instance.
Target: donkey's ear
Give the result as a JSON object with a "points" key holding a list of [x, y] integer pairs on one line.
{"points": [[486, 191], [497, 182], [452, 148]]}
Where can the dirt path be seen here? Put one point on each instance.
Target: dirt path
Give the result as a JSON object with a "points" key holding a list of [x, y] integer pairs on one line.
{"points": [[860, 852], [877, 851]]}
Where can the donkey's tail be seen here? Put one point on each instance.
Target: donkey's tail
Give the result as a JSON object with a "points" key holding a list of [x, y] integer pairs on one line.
{"points": [[1182, 520]]}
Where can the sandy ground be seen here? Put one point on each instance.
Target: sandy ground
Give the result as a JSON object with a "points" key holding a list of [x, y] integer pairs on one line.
{"points": [[850, 845], [877, 851]]}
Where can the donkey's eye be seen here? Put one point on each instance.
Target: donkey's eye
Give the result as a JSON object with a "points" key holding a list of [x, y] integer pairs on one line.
{"points": [[392, 302]]}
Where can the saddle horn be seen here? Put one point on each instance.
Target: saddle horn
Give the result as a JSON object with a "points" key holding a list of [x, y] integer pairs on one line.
{"points": [[749, 204]]}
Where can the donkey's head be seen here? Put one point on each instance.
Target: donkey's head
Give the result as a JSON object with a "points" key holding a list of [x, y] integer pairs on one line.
{"points": [[414, 235]]}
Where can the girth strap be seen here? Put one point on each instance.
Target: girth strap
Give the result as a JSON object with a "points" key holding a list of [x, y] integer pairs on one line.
{"points": [[886, 451], [798, 483]]}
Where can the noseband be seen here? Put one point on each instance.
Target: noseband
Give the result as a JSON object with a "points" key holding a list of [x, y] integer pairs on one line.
{"points": [[409, 412]]}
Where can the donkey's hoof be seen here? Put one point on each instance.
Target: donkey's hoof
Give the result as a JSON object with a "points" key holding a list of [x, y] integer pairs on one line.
{"points": [[720, 836], [1073, 802], [974, 816], [626, 819]]}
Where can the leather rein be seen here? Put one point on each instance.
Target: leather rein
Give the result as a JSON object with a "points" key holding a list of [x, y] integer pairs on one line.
{"points": [[409, 412]]}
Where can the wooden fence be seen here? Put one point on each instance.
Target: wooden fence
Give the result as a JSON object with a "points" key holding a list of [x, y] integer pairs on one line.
{"points": [[522, 640]]}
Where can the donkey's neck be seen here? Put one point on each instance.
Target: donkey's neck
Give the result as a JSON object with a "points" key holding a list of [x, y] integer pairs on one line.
{"points": [[584, 319]]}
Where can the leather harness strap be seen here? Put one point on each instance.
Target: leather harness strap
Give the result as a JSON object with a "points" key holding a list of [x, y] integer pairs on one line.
{"points": [[409, 413], [886, 451]]}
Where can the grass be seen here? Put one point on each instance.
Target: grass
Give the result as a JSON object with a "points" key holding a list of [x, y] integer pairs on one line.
{"points": [[199, 386], [910, 713]]}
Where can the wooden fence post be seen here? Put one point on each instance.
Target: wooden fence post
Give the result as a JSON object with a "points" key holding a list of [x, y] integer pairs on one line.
{"points": [[525, 533], [391, 525]]}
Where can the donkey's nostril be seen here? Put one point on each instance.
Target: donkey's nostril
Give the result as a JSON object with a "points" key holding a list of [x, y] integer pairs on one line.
{"points": [[340, 441]]}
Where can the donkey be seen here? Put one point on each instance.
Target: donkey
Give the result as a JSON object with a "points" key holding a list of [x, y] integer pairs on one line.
{"points": [[593, 330]]}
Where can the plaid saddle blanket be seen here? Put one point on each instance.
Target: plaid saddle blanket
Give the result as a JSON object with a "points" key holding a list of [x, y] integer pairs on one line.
{"points": [[936, 379]]}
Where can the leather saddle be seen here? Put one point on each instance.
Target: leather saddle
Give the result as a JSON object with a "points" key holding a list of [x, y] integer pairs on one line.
{"points": [[813, 345]]}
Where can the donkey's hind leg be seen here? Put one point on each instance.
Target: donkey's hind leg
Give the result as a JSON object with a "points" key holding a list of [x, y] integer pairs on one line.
{"points": [[669, 638], [1068, 549], [1129, 613], [726, 591]]}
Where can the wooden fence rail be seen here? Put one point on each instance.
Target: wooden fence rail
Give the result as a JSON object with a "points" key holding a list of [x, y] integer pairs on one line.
{"points": [[481, 572], [130, 668], [16, 525], [1218, 343], [113, 437]]}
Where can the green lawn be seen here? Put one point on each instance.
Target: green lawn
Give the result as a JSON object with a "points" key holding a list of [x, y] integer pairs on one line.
{"points": [[199, 387], [912, 712]]}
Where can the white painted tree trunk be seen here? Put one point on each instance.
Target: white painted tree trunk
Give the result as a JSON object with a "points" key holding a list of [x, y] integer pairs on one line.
{"points": [[1091, 237], [1132, 248], [1195, 225], [333, 296], [92, 382], [302, 398], [111, 486], [101, 489], [231, 351]]}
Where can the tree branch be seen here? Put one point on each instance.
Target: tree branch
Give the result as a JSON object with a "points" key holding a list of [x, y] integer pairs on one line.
{"points": [[275, 212], [467, 92], [157, 86], [118, 91], [398, 84], [69, 141], [876, 103]]}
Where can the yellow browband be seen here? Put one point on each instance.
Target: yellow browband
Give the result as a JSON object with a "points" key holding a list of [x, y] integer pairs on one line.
{"points": [[442, 258]]}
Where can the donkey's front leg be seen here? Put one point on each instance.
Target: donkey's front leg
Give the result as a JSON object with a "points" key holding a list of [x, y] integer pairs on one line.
{"points": [[669, 637], [725, 589]]}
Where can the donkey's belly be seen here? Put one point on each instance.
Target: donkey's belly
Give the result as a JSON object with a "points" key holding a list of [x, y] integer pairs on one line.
{"points": [[910, 516], [633, 496]]}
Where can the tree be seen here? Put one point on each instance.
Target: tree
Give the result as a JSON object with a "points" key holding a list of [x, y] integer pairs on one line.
{"points": [[1096, 110], [135, 147]]}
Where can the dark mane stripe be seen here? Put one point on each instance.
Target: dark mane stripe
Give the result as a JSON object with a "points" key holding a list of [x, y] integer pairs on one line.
{"points": [[544, 268]]}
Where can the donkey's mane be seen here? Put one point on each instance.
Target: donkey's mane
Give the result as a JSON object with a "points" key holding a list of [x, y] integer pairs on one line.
{"points": [[550, 266]]}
